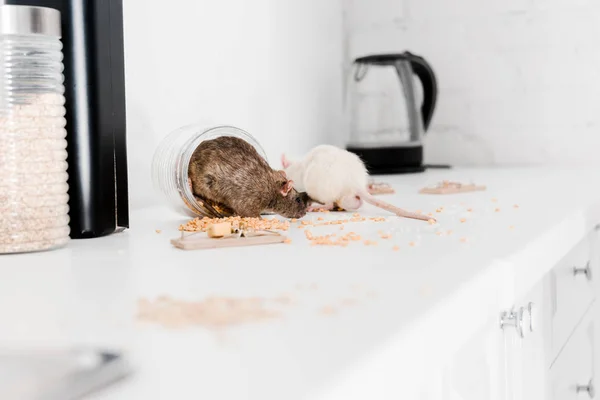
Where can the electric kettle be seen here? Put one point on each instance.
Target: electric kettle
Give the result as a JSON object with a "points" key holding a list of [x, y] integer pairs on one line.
{"points": [[388, 115]]}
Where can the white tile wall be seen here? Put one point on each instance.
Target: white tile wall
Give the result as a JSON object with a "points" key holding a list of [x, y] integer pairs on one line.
{"points": [[519, 79], [270, 67]]}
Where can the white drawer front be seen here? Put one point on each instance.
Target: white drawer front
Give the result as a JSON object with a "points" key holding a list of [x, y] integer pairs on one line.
{"points": [[575, 364], [572, 292]]}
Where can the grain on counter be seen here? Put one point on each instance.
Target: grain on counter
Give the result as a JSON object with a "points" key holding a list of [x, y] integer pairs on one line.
{"points": [[202, 224]]}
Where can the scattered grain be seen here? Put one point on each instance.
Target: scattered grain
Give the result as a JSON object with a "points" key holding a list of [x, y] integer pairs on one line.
{"points": [[463, 220], [348, 302], [283, 299], [396, 248], [202, 224], [158, 231], [328, 310], [213, 312]]}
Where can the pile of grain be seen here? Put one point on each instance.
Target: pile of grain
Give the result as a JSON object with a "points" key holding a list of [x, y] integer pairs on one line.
{"points": [[213, 312], [33, 175], [202, 224]]}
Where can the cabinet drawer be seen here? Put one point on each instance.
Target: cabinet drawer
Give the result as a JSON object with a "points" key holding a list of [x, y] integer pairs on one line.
{"points": [[572, 292], [575, 364]]}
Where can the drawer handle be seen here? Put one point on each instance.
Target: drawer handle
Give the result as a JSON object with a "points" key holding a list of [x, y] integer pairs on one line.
{"points": [[587, 271], [513, 318], [589, 388], [532, 314]]}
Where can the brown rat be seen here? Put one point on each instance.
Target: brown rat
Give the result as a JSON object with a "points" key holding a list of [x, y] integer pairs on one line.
{"points": [[229, 172]]}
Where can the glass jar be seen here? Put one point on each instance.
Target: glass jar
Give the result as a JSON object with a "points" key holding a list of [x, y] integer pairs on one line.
{"points": [[172, 158], [33, 155]]}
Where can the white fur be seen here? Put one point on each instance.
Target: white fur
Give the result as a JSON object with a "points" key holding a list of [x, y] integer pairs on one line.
{"points": [[328, 174], [331, 175]]}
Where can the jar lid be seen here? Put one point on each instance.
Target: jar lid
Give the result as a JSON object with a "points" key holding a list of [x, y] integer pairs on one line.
{"points": [[29, 20]]}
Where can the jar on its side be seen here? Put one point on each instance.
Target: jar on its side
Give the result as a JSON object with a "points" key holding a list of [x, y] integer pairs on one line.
{"points": [[33, 156], [172, 159]]}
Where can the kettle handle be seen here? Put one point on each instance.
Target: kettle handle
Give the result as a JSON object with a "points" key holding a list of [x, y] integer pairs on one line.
{"points": [[424, 72]]}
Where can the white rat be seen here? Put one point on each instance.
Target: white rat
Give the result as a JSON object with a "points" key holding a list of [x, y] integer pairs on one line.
{"points": [[332, 176]]}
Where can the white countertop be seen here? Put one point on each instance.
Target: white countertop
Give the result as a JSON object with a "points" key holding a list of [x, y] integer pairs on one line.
{"points": [[413, 306]]}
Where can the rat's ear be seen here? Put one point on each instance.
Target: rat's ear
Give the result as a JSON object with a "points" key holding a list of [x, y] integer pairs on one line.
{"points": [[285, 163], [286, 187]]}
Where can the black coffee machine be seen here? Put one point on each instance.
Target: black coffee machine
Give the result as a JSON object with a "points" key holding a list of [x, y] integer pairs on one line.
{"points": [[92, 36], [387, 124]]}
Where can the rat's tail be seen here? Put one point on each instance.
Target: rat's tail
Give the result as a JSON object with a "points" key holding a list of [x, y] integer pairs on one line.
{"points": [[369, 198]]}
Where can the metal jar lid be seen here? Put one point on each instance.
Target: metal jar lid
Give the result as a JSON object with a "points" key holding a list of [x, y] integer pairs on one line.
{"points": [[29, 20]]}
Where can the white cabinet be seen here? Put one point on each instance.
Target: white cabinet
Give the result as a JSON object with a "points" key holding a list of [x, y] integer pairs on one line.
{"points": [[572, 374], [528, 347], [543, 348], [477, 371], [572, 290], [546, 347], [556, 360]]}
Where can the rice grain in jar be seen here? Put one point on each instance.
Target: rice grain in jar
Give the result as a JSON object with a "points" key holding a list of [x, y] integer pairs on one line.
{"points": [[172, 159], [33, 166]]}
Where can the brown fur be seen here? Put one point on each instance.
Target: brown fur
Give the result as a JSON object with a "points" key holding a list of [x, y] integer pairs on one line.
{"points": [[229, 172]]}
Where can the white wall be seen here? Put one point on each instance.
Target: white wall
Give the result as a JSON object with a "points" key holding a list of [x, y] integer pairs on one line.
{"points": [[271, 67], [519, 79]]}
